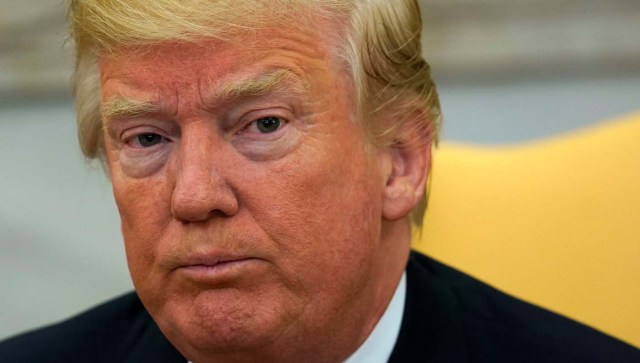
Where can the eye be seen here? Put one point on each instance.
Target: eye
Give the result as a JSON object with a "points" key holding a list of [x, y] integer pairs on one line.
{"points": [[148, 139], [268, 124]]}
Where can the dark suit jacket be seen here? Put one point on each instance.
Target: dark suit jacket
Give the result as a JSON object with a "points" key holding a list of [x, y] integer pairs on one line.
{"points": [[449, 317]]}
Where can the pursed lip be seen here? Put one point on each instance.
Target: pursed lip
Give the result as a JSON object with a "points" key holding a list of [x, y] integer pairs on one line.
{"points": [[215, 268], [212, 260]]}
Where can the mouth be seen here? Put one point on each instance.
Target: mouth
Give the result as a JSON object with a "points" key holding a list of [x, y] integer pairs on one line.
{"points": [[219, 270]]}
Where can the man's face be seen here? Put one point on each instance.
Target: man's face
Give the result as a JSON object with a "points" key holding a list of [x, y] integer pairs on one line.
{"points": [[250, 210]]}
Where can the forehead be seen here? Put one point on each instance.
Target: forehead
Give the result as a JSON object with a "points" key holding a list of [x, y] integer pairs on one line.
{"points": [[315, 42], [304, 52]]}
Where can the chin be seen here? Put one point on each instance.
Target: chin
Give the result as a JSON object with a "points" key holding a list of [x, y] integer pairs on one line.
{"points": [[221, 322]]}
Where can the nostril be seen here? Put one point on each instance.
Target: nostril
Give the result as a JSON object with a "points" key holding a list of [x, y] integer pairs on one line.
{"points": [[194, 205]]}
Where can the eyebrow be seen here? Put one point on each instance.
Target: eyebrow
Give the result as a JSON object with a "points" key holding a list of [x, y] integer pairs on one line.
{"points": [[125, 107], [280, 80]]}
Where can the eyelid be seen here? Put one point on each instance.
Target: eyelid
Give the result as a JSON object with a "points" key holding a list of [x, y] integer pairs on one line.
{"points": [[137, 131], [117, 128], [249, 118], [134, 141], [250, 130], [127, 135]]}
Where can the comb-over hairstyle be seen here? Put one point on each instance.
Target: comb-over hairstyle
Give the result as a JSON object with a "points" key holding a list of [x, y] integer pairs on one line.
{"points": [[379, 44]]}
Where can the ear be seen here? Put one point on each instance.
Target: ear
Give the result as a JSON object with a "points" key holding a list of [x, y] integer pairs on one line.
{"points": [[406, 178]]}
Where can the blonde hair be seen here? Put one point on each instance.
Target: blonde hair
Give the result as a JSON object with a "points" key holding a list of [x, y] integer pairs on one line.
{"points": [[380, 44]]}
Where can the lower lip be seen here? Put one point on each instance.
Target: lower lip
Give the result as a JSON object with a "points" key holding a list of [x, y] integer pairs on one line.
{"points": [[220, 272]]}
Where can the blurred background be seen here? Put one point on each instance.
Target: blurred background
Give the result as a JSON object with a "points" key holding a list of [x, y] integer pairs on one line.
{"points": [[508, 71]]}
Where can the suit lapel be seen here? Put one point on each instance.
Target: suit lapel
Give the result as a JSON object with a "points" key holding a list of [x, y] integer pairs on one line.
{"points": [[431, 329], [152, 346]]}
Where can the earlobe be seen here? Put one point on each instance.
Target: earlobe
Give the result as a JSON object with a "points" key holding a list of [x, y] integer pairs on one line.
{"points": [[406, 179]]}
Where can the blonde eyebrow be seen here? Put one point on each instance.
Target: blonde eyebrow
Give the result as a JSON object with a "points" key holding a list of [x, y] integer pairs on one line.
{"points": [[282, 80], [125, 107]]}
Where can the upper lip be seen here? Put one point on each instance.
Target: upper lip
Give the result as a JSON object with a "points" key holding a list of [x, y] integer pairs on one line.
{"points": [[212, 259]]}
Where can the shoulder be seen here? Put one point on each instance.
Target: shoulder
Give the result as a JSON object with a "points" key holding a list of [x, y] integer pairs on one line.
{"points": [[97, 335], [499, 327]]}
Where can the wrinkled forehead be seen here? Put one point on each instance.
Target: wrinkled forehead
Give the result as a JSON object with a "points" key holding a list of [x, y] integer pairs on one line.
{"points": [[317, 36], [302, 54], [247, 63], [301, 65]]}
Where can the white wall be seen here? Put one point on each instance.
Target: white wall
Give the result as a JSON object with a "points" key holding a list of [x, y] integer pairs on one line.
{"points": [[59, 239], [525, 109], [60, 246]]}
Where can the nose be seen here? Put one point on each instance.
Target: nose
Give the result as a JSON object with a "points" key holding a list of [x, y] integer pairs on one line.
{"points": [[201, 190]]}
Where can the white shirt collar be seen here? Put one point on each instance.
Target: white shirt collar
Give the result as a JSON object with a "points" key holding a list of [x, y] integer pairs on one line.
{"points": [[379, 345]]}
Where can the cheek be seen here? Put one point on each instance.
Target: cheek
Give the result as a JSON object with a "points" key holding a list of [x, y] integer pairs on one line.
{"points": [[143, 214], [323, 213]]}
